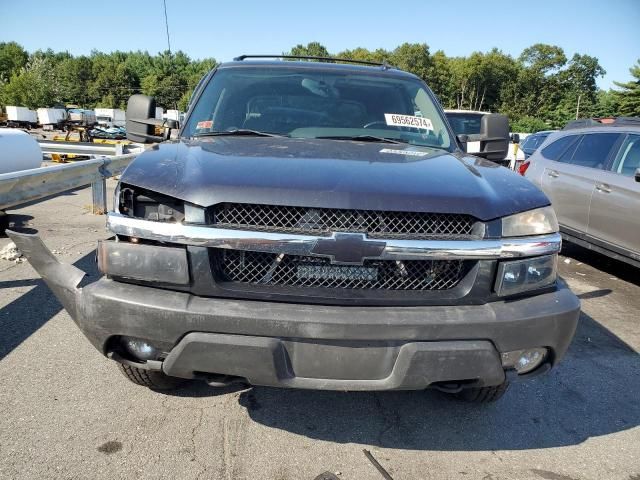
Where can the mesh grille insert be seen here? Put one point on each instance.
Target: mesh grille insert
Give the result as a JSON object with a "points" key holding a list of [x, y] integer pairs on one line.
{"points": [[324, 221], [299, 271]]}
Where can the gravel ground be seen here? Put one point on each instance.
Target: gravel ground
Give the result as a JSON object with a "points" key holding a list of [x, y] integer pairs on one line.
{"points": [[66, 412]]}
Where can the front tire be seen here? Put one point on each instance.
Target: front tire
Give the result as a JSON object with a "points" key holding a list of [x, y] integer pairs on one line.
{"points": [[4, 222], [483, 394], [152, 379]]}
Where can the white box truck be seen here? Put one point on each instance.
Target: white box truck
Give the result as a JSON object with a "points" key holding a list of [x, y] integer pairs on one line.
{"points": [[51, 116], [110, 117], [173, 115], [21, 117]]}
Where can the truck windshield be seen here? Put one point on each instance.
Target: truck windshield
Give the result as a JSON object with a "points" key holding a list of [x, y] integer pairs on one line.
{"points": [[303, 102]]}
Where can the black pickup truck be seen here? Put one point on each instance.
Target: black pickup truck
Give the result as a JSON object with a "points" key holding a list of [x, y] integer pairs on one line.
{"points": [[317, 225]]}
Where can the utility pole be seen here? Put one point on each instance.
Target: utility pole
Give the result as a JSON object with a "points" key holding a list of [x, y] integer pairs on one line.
{"points": [[166, 24], [578, 106]]}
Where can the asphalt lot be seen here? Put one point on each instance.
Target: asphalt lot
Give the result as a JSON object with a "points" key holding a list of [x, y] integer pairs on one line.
{"points": [[66, 412]]}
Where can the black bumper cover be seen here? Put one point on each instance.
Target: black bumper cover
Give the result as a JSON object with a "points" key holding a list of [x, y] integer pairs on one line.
{"points": [[313, 346]]}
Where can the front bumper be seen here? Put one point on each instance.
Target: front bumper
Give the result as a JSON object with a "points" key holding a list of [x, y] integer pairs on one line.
{"points": [[312, 346]]}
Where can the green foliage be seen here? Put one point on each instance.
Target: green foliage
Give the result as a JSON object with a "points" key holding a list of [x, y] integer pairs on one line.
{"points": [[33, 86], [628, 98], [312, 49], [607, 104], [540, 89], [48, 78], [13, 58], [543, 58], [529, 125]]}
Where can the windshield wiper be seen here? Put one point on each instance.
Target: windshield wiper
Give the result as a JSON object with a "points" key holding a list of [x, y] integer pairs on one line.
{"points": [[238, 132], [362, 138]]}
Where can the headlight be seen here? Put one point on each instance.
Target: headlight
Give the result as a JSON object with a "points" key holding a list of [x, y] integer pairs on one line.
{"points": [[528, 274], [534, 222], [139, 203]]}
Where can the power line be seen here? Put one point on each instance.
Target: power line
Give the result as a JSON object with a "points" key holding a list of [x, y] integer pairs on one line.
{"points": [[166, 24]]}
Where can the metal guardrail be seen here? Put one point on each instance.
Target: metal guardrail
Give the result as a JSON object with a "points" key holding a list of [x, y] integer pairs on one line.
{"points": [[26, 186], [85, 148]]}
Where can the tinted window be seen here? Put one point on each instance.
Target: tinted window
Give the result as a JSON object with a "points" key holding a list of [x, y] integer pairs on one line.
{"points": [[530, 141], [557, 148], [628, 158], [593, 150], [537, 140], [541, 138], [567, 155]]}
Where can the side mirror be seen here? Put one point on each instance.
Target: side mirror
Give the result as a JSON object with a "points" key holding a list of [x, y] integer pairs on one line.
{"points": [[515, 138], [141, 122], [463, 139], [494, 137], [637, 175]]}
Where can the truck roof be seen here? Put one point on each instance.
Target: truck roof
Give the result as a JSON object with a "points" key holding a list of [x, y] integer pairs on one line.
{"points": [[384, 69]]}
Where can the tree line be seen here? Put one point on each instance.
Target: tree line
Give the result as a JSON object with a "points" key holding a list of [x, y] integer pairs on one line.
{"points": [[540, 89], [48, 78]]}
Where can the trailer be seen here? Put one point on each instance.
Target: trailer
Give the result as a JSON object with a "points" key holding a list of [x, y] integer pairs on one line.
{"points": [[51, 117], [21, 117], [176, 115], [110, 117], [78, 116]]}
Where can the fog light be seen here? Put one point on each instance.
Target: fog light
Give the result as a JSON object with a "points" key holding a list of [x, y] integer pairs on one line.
{"points": [[140, 349], [524, 361]]}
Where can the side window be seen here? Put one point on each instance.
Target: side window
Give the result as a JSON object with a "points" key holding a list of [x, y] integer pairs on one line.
{"points": [[568, 153], [593, 150], [628, 157], [554, 150], [541, 140]]}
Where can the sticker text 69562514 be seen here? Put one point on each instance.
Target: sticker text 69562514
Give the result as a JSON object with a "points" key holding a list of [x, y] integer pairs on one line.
{"points": [[398, 120]]}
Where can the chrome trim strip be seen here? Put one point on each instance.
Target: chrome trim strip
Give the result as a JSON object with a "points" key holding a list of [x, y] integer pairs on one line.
{"points": [[204, 236]]}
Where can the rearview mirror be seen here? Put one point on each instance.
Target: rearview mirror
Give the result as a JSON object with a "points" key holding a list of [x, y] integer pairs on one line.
{"points": [[141, 122], [637, 175], [494, 137]]}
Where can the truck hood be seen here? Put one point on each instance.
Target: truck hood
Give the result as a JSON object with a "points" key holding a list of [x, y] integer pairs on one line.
{"points": [[331, 174]]}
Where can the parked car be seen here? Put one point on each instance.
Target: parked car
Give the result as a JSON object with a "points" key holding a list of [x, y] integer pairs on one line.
{"points": [[468, 123], [317, 225], [18, 151], [592, 176], [531, 142]]}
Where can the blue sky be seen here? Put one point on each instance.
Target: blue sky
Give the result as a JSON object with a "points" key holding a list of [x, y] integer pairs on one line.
{"points": [[608, 30]]}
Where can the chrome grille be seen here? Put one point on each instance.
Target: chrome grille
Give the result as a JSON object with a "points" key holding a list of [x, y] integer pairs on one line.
{"points": [[324, 221], [300, 271]]}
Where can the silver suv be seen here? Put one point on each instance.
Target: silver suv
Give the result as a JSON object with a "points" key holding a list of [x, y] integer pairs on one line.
{"points": [[592, 177]]}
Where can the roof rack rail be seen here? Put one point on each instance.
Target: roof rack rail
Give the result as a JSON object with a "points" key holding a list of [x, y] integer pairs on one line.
{"points": [[627, 121], [383, 64], [582, 123], [602, 122]]}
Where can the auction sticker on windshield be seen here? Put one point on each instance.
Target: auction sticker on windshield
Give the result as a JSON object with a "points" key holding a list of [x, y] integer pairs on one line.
{"points": [[205, 124], [397, 120]]}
